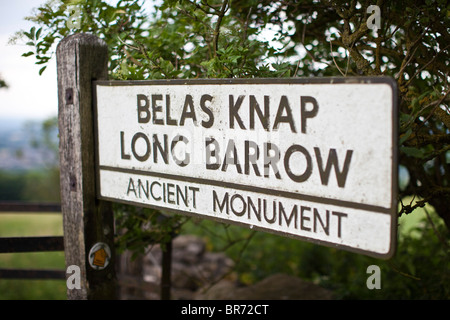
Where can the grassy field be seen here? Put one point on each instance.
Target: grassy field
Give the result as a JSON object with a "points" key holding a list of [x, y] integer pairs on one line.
{"points": [[15, 225]]}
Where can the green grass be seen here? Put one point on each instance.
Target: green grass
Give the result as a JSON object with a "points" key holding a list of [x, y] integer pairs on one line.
{"points": [[29, 224]]}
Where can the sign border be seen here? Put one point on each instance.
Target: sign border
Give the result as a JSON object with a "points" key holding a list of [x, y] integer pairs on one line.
{"points": [[392, 211]]}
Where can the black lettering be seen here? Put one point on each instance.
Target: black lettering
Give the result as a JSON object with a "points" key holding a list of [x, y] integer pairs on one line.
{"points": [[233, 109], [339, 215], [304, 218], [274, 211], [156, 108], [224, 202], [187, 158], [194, 190], [188, 110], [341, 176], [263, 117], [251, 158], [308, 170], [180, 193], [251, 205], [122, 152], [141, 187], [282, 214], [170, 193], [162, 151], [231, 157], [203, 99], [307, 113], [244, 206], [145, 156], [271, 160], [279, 118], [131, 187], [325, 226], [169, 120], [212, 154], [151, 190], [164, 192], [143, 108]]}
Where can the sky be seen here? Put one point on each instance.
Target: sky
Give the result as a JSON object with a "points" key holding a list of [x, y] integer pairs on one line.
{"points": [[29, 95]]}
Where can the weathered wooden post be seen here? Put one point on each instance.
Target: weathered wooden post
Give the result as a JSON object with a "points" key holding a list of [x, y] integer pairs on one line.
{"points": [[88, 222]]}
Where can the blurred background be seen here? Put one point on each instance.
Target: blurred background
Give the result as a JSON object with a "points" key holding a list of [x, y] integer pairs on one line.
{"points": [[29, 173], [28, 155]]}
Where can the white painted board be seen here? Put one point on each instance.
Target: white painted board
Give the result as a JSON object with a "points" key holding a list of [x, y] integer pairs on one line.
{"points": [[309, 158]]}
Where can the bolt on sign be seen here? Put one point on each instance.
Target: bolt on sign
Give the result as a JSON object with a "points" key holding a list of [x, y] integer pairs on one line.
{"points": [[313, 159]]}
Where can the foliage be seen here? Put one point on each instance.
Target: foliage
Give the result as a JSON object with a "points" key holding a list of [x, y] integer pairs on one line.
{"points": [[223, 38], [215, 39], [412, 46], [143, 227], [11, 185], [180, 40], [41, 186], [31, 185], [3, 83], [418, 271]]}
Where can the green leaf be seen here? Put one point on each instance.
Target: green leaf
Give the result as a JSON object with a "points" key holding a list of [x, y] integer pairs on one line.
{"points": [[413, 152], [38, 33], [404, 117], [27, 54], [405, 136], [415, 105], [42, 70], [32, 32]]}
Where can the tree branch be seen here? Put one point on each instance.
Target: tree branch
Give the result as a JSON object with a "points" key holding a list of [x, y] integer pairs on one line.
{"points": [[221, 14]]}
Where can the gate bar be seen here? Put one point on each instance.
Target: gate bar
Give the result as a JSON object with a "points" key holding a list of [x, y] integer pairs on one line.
{"points": [[31, 244], [32, 274], [28, 207]]}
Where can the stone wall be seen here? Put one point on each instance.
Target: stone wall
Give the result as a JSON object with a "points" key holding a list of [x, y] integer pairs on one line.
{"points": [[200, 274]]}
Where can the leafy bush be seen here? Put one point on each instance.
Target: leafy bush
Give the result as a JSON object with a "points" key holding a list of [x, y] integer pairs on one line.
{"points": [[419, 270]]}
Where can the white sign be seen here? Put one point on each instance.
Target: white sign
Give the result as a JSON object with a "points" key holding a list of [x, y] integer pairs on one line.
{"points": [[309, 158]]}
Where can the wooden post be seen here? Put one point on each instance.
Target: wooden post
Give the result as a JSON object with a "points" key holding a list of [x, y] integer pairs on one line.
{"points": [[82, 58]]}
